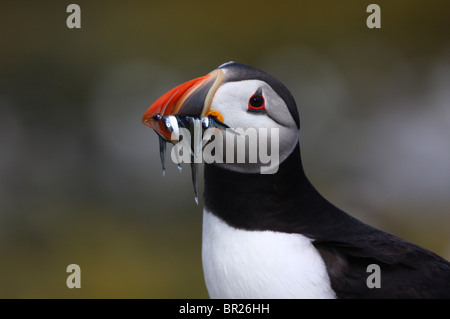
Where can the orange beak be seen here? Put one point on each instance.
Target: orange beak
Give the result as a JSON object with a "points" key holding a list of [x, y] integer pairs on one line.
{"points": [[192, 98]]}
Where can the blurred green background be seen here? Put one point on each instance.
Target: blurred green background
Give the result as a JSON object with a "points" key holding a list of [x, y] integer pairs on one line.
{"points": [[80, 176]]}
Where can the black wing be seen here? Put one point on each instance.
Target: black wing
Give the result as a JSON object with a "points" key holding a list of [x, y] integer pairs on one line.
{"points": [[406, 270]]}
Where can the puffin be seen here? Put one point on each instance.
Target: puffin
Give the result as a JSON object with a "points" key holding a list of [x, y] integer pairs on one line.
{"points": [[267, 232]]}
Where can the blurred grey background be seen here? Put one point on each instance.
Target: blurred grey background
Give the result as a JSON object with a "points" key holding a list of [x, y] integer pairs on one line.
{"points": [[80, 176]]}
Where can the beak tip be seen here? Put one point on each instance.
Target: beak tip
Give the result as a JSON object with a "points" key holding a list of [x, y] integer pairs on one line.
{"points": [[145, 121]]}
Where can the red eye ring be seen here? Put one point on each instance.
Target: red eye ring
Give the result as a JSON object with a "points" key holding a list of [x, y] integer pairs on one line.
{"points": [[257, 103]]}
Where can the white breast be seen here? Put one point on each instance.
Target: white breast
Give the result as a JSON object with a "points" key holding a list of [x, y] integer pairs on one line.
{"points": [[260, 264]]}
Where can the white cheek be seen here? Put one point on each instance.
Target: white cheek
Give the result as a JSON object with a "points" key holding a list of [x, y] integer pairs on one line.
{"points": [[231, 100]]}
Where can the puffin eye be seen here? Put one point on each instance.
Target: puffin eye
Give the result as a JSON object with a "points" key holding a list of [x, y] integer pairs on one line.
{"points": [[256, 102]]}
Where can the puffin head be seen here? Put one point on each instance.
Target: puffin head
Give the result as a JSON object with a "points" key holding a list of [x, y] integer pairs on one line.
{"points": [[234, 96]]}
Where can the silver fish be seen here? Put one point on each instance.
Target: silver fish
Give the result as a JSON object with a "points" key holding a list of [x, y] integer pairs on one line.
{"points": [[196, 126], [162, 153]]}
